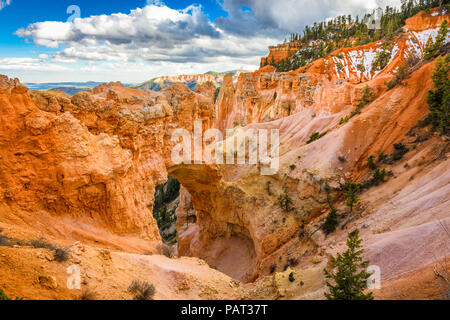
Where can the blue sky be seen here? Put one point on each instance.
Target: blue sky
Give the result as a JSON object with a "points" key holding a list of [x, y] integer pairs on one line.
{"points": [[135, 40]]}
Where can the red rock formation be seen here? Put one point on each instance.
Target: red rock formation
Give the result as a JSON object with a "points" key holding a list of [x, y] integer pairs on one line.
{"points": [[281, 52], [86, 167]]}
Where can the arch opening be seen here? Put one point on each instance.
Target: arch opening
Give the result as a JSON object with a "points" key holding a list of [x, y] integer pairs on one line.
{"points": [[164, 210]]}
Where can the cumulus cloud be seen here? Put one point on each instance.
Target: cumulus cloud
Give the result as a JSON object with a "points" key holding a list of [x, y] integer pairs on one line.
{"points": [[4, 3], [285, 16], [179, 41], [155, 25], [153, 33]]}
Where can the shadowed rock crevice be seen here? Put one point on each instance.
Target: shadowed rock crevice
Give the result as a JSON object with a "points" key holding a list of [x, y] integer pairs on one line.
{"points": [[164, 208]]}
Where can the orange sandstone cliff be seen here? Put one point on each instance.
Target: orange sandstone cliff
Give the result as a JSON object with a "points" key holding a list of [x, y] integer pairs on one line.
{"points": [[82, 172]]}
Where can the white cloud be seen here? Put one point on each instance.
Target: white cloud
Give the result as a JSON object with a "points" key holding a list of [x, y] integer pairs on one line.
{"points": [[157, 40], [155, 34], [4, 3], [29, 64], [286, 16]]}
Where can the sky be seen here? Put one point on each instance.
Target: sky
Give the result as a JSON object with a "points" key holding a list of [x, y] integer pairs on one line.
{"points": [[136, 40]]}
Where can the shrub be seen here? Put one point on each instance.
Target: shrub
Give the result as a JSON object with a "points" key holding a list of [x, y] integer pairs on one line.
{"points": [[88, 294], [315, 136], [142, 290], [291, 277], [273, 268], [344, 120], [4, 240], [4, 297], [401, 74], [381, 157], [269, 192], [331, 222], [62, 254], [342, 159], [165, 250], [284, 200], [42, 243], [400, 151], [292, 262], [367, 97], [292, 166], [379, 176], [370, 163], [275, 95]]}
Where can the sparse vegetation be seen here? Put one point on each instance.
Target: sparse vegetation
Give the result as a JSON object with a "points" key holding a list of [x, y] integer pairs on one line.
{"points": [[166, 250], [269, 191], [322, 38], [62, 254], [4, 297], [285, 200], [367, 97], [351, 194], [344, 120], [273, 268], [400, 151], [379, 176], [438, 99], [4, 240], [42, 243], [382, 58], [87, 295], [401, 74], [432, 47], [370, 163], [164, 215], [381, 157], [142, 290], [331, 222], [349, 282], [291, 277], [315, 136]]}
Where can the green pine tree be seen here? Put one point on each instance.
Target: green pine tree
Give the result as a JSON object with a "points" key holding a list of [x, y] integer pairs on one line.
{"points": [[331, 222], [442, 35], [432, 47], [429, 49], [352, 190], [438, 99], [350, 278]]}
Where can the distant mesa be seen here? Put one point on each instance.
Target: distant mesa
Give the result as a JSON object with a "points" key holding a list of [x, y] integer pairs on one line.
{"points": [[156, 84], [70, 88]]}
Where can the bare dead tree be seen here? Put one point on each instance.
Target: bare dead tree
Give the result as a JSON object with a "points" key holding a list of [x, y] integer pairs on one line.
{"points": [[441, 272]]}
